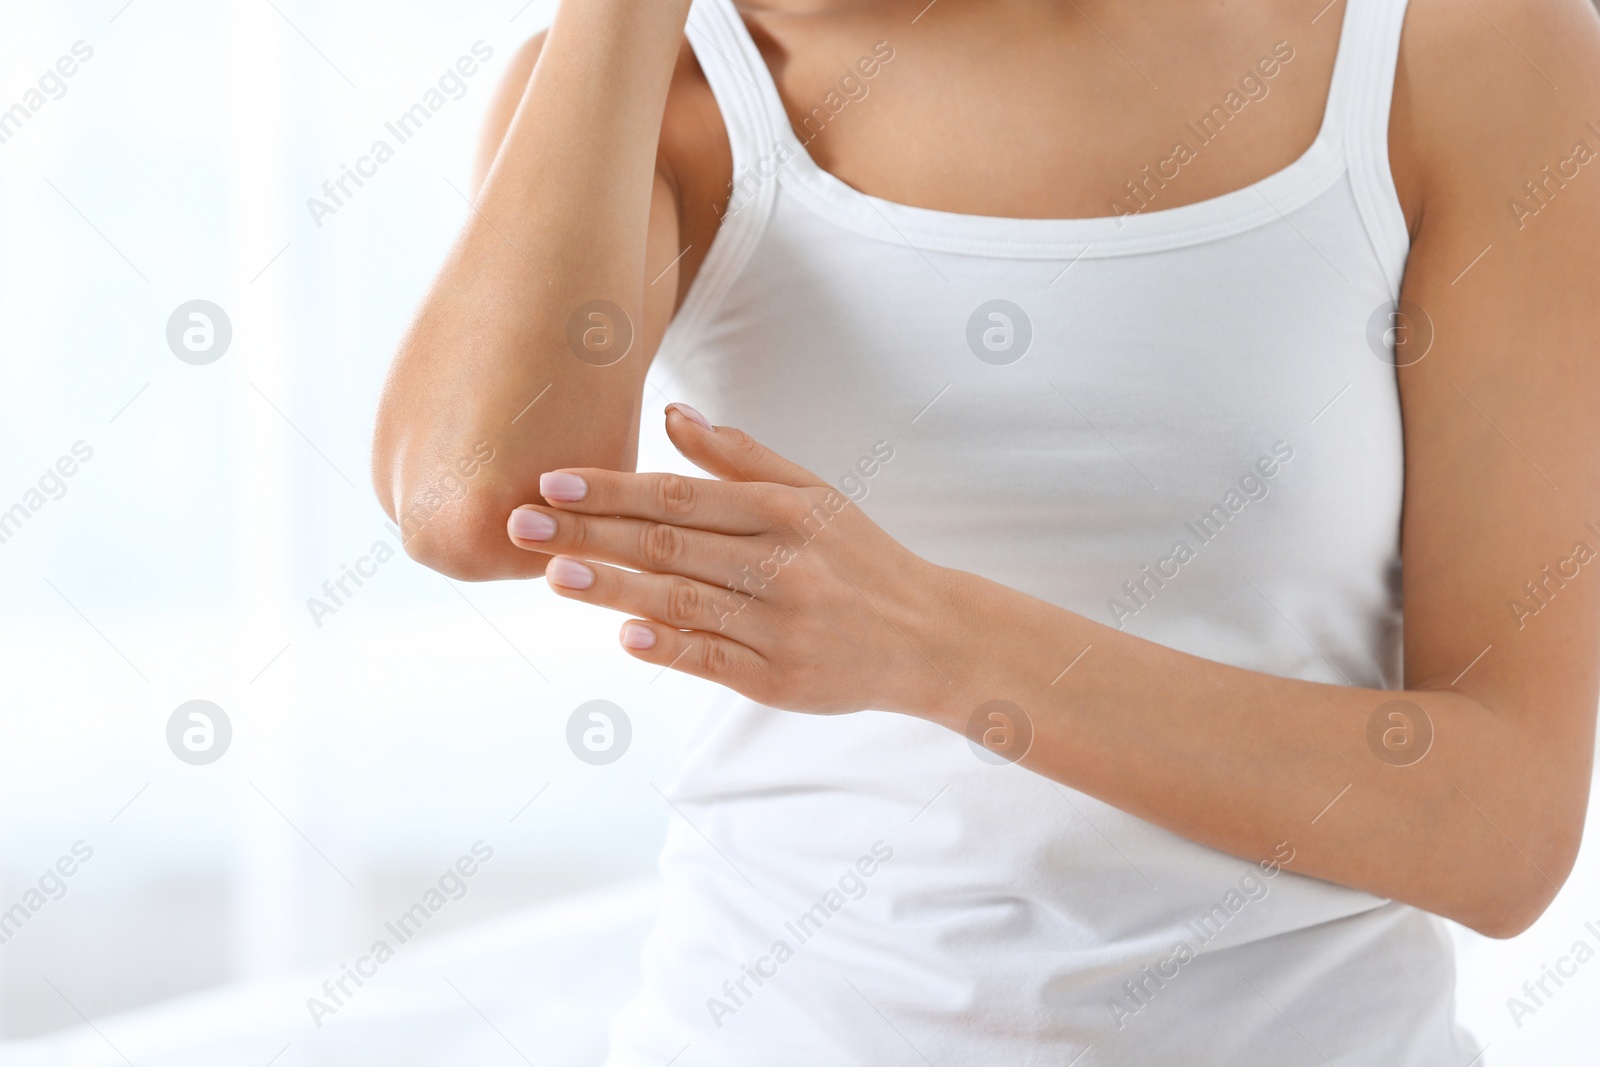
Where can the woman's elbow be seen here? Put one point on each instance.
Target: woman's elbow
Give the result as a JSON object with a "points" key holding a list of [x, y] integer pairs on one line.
{"points": [[462, 535], [455, 550], [1521, 890], [1509, 915]]}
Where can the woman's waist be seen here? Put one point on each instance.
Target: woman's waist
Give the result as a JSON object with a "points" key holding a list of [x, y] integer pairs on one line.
{"points": [[784, 804]]}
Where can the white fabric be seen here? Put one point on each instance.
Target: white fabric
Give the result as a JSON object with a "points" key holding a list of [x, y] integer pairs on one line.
{"points": [[536, 986], [1176, 357]]}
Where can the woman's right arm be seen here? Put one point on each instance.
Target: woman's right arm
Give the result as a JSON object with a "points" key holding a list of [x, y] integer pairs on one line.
{"points": [[572, 209]]}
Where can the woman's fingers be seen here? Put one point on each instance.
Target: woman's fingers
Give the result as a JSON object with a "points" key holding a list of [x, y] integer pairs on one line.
{"points": [[730, 453], [721, 507], [634, 543], [704, 655], [680, 603], [756, 489]]}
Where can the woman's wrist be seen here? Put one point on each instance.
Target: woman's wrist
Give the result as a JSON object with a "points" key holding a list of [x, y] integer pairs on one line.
{"points": [[960, 637]]}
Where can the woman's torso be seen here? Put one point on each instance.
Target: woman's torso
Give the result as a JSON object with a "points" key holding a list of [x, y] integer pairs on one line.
{"points": [[1178, 418]]}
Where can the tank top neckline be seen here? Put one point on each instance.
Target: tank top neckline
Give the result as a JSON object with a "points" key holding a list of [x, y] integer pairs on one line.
{"points": [[769, 156]]}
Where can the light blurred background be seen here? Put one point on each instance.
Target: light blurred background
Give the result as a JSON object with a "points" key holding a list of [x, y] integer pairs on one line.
{"points": [[371, 751]]}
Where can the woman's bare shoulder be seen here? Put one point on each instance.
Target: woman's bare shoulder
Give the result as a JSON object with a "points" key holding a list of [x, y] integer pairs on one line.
{"points": [[1487, 95]]}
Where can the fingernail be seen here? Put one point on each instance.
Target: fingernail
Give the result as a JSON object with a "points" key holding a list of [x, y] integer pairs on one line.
{"points": [[569, 574], [529, 525], [638, 637], [559, 485], [692, 415]]}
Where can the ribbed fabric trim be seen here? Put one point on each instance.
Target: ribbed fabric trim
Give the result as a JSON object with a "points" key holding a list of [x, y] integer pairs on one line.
{"points": [[1353, 139], [725, 50], [1369, 97], [731, 52]]}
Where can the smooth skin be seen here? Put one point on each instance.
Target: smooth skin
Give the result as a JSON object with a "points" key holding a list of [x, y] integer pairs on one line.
{"points": [[1502, 417]]}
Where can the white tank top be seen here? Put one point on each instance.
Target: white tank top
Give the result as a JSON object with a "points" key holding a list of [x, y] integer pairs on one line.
{"points": [[1057, 405]]}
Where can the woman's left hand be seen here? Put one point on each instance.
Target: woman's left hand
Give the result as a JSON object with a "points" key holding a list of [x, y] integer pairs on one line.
{"points": [[766, 580]]}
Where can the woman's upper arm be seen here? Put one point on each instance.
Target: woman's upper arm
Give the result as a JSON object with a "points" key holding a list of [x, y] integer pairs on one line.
{"points": [[663, 237], [503, 107], [693, 159], [1502, 415]]}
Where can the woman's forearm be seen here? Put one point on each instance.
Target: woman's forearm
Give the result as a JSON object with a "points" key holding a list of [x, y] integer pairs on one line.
{"points": [[561, 223], [1467, 824], [1463, 795]]}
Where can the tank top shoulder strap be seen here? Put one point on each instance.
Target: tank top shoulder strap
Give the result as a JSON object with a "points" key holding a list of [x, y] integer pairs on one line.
{"points": [[757, 125], [759, 140], [1359, 101], [1355, 124]]}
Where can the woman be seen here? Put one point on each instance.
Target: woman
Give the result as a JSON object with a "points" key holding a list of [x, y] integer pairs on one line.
{"points": [[1075, 370]]}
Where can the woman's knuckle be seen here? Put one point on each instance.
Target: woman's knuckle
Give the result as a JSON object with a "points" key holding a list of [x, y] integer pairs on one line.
{"points": [[683, 602], [781, 512], [715, 657], [661, 545], [802, 514], [785, 506], [726, 607], [675, 495]]}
